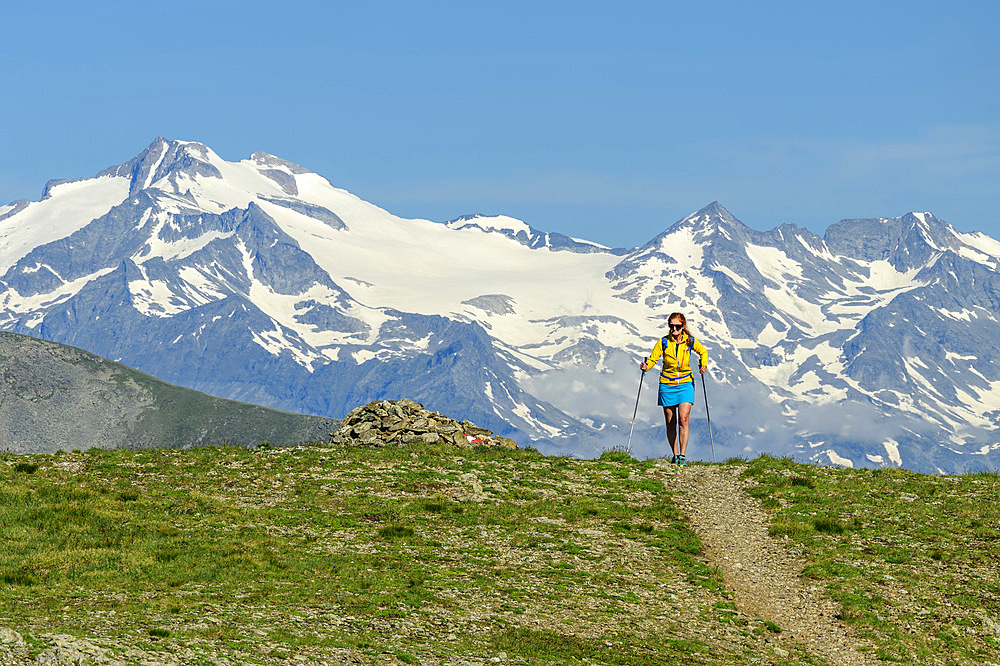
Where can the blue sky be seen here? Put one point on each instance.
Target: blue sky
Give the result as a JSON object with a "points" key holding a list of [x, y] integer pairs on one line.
{"points": [[605, 121]]}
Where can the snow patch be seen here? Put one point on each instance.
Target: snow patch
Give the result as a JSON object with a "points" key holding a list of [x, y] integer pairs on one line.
{"points": [[975, 407], [770, 336], [963, 315], [977, 244], [682, 246], [159, 161], [276, 342], [68, 208], [824, 253], [772, 263], [837, 460], [891, 447], [171, 251], [154, 298], [883, 276], [808, 315], [363, 356], [733, 275], [13, 303]]}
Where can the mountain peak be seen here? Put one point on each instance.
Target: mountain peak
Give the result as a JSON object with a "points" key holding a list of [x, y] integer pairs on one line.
{"points": [[162, 148], [712, 219], [263, 284], [924, 219], [714, 208], [902, 240], [262, 159], [713, 215], [163, 158]]}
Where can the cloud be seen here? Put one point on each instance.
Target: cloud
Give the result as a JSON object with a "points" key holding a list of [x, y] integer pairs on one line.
{"points": [[574, 391], [745, 422]]}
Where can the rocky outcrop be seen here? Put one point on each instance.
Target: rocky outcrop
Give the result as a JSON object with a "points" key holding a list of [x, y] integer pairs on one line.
{"points": [[402, 422]]}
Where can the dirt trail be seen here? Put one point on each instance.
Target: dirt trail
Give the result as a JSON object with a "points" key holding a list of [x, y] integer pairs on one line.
{"points": [[764, 575]]}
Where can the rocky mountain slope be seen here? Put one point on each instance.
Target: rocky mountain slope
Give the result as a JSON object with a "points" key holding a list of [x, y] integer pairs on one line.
{"points": [[257, 280], [58, 398]]}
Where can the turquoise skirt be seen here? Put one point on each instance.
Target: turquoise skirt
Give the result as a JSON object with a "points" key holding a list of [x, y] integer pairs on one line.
{"points": [[672, 395]]}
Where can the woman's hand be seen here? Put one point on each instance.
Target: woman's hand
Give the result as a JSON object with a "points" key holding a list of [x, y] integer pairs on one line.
{"points": [[643, 366], [703, 368]]}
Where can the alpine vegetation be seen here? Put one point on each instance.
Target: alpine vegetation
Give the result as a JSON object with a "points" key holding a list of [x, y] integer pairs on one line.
{"points": [[59, 398], [875, 345]]}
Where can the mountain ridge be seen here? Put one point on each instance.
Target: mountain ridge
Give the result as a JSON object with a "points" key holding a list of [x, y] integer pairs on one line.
{"points": [[59, 398], [274, 286]]}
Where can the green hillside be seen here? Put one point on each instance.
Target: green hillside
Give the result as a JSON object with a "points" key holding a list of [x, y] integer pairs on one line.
{"points": [[56, 397], [427, 554]]}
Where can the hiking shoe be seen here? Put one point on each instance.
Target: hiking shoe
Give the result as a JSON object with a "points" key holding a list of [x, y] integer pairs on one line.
{"points": [[681, 461], [673, 461]]}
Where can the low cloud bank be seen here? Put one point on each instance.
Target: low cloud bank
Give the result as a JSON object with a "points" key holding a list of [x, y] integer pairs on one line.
{"points": [[745, 421]]}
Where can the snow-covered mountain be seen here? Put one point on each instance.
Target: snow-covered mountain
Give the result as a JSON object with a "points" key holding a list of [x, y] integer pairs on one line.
{"points": [[878, 344]]}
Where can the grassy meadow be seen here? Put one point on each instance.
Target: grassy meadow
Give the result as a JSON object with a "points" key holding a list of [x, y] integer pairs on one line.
{"points": [[912, 559], [428, 554]]}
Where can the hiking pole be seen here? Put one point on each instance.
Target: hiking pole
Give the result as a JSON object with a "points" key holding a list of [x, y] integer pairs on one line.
{"points": [[635, 411], [708, 416]]}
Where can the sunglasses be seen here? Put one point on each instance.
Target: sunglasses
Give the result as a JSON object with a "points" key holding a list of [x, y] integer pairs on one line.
{"points": [[675, 326]]}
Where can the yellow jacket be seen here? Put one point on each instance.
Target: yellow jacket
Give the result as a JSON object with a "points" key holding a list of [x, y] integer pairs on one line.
{"points": [[677, 358]]}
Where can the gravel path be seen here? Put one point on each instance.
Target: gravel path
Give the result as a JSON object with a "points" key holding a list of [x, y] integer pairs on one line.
{"points": [[764, 575]]}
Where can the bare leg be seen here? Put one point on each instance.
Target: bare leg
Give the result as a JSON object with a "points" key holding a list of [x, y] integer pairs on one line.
{"points": [[670, 420], [683, 414]]}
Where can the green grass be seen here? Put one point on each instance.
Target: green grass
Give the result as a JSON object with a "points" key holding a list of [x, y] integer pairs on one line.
{"points": [[311, 551], [338, 554], [910, 558]]}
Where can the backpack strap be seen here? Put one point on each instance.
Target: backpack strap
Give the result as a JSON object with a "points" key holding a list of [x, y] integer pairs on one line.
{"points": [[664, 340]]}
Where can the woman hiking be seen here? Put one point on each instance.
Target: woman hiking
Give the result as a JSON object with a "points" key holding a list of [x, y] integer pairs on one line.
{"points": [[677, 381]]}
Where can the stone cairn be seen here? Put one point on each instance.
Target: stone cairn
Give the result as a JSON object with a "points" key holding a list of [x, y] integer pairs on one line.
{"points": [[401, 422]]}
